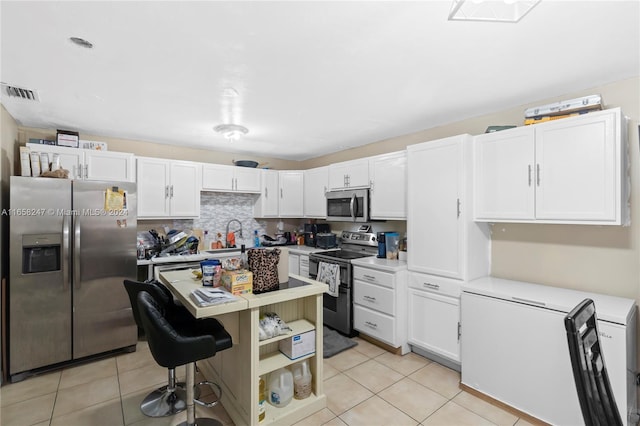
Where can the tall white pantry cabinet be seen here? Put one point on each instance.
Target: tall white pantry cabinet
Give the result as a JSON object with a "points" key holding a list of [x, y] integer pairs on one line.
{"points": [[446, 247]]}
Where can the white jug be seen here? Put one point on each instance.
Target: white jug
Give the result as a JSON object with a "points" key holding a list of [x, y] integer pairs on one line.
{"points": [[280, 387], [301, 380]]}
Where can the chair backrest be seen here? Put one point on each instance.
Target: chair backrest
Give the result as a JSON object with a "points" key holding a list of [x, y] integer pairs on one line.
{"points": [[135, 287], [589, 370]]}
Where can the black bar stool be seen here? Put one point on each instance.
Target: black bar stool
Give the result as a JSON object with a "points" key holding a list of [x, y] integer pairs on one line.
{"points": [[183, 343], [172, 398]]}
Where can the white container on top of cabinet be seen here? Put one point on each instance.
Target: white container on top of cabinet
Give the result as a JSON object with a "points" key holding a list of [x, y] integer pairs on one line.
{"points": [[218, 177], [388, 194], [91, 164], [349, 174], [572, 170], [168, 188]]}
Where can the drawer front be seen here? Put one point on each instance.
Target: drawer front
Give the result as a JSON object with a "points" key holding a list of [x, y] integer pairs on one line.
{"points": [[375, 324], [375, 297], [373, 276], [439, 285]]}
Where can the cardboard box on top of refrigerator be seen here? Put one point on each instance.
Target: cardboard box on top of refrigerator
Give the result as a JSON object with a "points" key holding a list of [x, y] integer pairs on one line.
{"points": [[237, 282]]}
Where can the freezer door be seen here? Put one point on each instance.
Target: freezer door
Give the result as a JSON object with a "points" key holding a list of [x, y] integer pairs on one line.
{"points": [[39, 287], [104, 255]]}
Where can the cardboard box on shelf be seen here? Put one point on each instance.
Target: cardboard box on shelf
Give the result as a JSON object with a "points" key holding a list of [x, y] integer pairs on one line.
{"points": [[299, 345], [237, 282], [67, 138]]}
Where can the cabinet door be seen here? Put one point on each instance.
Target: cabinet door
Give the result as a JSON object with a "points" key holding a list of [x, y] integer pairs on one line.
{"points": [[153, 187], [576, 168], [504, 175], [434, 323], [105, 165], [294, 264], [388, 186], [217, 178], [184, 193], [435, 194], [315, 186], [247, 180], [291, 198], [267, 203], [71, 159], [349, 174], [304, 265]]}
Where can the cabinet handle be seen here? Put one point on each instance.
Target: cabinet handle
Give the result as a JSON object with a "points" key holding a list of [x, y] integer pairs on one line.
{"points": [[533, 302], [280, 192], [369, 298], [371, 186], [86, 171], [529, 174], [458, 207], [166, 191], [369, 277], [431, 286], [371, 324], [538, 174], [171, 192], [266, 192], [459, 331]]}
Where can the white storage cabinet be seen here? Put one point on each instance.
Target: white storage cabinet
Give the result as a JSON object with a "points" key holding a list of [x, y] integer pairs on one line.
{"points": [[221, 178], [316, 182], [168, 188], [388, 193], [91, 164], [291, 187], [379, 305], [514, 347], [446, 247], [349, 174], [572, 170], [267, 204]]}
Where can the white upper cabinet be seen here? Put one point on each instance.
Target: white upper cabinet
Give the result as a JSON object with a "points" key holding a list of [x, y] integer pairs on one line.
{"points": [[91, 164], [221, 178], [316, 182], [388, 193], [267, 204], [349, 174], [168, 188], [291, 184], [571, 170]]}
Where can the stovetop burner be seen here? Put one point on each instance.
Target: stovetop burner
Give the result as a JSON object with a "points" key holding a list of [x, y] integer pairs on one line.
{"points": [[344, 254]]}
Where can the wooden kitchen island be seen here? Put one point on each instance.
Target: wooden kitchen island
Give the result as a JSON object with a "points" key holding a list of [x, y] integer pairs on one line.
{"points": [[237, 370]]}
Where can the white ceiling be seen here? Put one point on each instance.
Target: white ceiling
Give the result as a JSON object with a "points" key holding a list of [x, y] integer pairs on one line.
{"points": [[310, 78]]}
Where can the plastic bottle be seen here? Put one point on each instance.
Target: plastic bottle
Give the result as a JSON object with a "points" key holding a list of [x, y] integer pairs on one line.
{"points": [[206, 243], [280, 387], [256, 239], [301, 380], [262, 400], [244, 263]]}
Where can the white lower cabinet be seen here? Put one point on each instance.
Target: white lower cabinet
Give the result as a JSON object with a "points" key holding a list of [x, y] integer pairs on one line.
{"points": [[294, 264], [514, 347], [304, 266], [379, 305], [434, 315]]}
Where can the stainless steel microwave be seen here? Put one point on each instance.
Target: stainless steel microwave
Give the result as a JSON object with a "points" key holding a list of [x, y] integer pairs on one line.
{"points": [[351, 205]]}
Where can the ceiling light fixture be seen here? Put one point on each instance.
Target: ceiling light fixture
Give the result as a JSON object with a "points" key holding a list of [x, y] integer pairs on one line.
{"points": [[490, 10], [81, 42], [232, 132]]}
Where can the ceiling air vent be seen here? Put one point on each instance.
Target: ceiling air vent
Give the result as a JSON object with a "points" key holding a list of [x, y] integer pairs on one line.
{"points": [[19, 92]]}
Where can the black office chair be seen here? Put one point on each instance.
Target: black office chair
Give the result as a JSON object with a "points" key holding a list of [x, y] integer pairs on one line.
{"points": [[177, 344], [172, 398], [589, 370]]}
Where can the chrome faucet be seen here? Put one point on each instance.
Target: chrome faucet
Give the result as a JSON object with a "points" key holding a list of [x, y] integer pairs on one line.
{"points": [[239, 223]]}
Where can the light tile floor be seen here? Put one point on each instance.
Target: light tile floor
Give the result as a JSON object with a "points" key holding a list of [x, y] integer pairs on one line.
{"points": [[364, 385]]}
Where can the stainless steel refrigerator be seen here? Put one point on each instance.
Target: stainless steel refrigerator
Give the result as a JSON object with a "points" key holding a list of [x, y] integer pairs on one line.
{"points": [[72, 243]]}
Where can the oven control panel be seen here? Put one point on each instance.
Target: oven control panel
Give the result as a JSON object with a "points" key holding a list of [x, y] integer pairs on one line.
{"points": [[360, 238]]}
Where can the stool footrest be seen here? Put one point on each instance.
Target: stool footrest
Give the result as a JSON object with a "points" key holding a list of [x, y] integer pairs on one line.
{"points": [[213, 387]]}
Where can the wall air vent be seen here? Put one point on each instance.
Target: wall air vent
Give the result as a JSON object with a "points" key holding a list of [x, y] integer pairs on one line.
{"points": [[20, 92]]}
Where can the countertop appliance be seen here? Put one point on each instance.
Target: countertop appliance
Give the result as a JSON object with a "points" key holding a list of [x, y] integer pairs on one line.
{"points": [[311, 230], [338, 311], [348, 205], [326, 240], [69, 257]]}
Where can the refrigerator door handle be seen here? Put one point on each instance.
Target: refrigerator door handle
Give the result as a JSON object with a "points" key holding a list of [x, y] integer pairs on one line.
{"points": [[66, 225], [76, 252]]}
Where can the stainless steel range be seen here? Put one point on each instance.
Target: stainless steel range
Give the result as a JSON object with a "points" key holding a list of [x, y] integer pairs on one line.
{"points": [[338, 311]]}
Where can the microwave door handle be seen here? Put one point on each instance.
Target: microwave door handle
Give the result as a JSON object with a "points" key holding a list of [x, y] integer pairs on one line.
{"points": [[351, 206]]}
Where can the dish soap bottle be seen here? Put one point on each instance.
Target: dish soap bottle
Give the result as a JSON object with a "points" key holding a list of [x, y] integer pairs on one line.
{"points": [[256, 239], [262, 400]]}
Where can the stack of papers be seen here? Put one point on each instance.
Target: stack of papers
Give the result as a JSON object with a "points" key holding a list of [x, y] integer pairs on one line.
{"points": [[211, 296]]}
